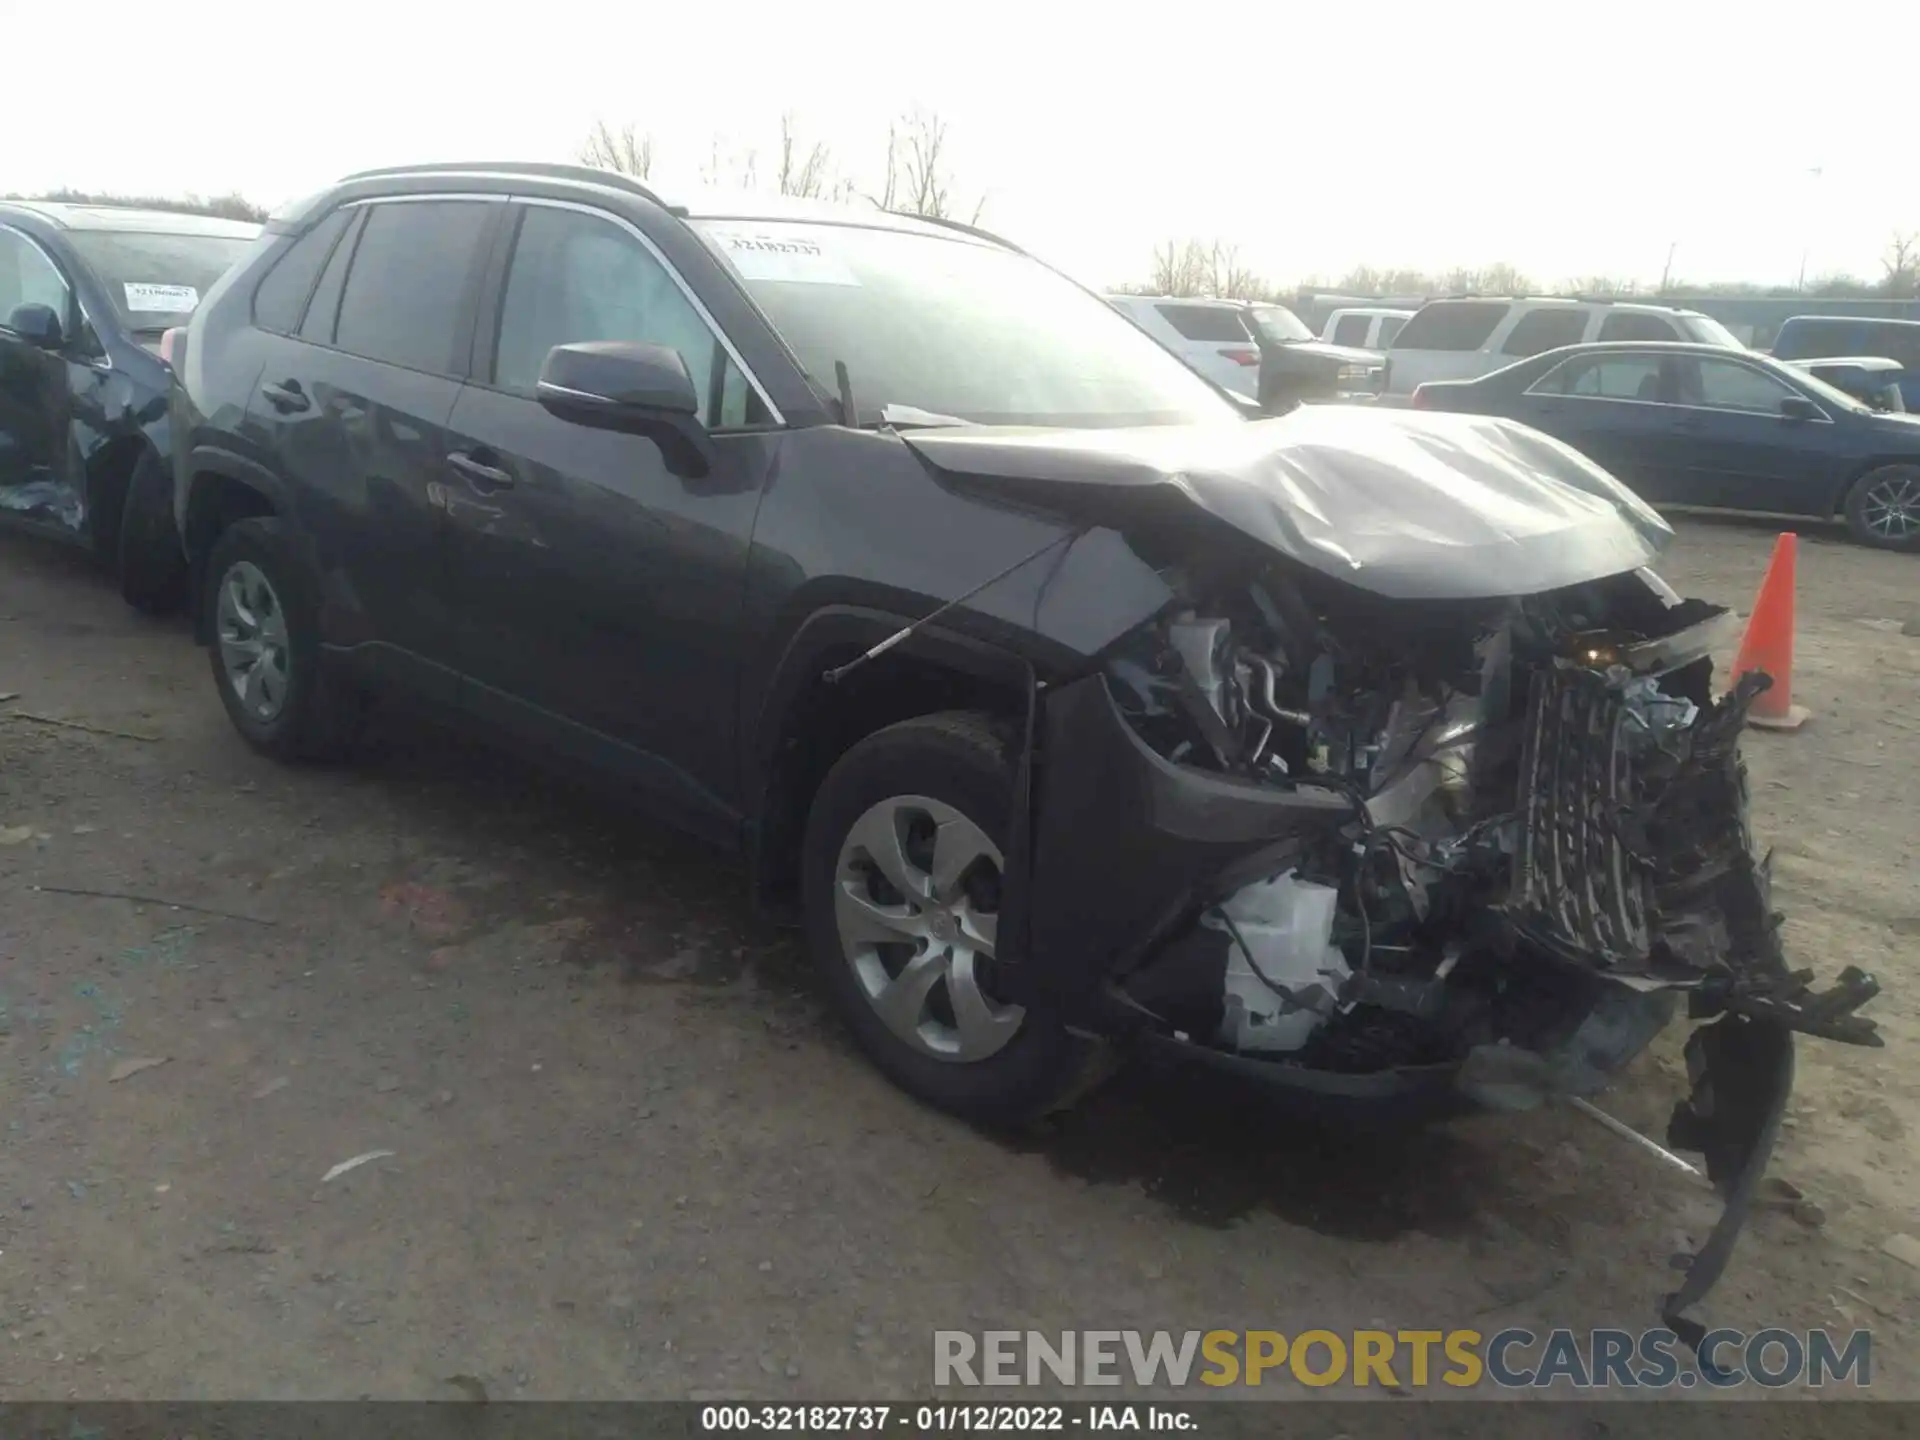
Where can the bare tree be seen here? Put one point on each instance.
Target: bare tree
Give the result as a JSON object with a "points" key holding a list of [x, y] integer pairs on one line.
{"points": [[919, 180], [624, 150], [1902, 264], [1360, 280], [802, 174], [1231, 279], [1182, 267], [1407, 282], [1602, 285]]}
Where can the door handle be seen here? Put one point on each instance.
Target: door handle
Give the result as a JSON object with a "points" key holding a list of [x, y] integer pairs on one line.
{"points": [[480, 475], [286, 397]]}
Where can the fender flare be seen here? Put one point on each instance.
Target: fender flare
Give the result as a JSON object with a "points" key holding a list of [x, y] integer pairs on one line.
{"points": [[203, 460], [838, 628]]}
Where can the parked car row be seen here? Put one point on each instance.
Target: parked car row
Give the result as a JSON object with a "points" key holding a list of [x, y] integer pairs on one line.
{"points": [[1261, 351]]}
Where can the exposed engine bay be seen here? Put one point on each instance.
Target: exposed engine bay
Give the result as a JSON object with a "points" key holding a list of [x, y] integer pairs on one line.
{"points": [[1542, 855]]}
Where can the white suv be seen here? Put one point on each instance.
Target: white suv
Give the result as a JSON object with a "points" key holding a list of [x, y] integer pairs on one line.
{"points": [[1463, 339], [1210, 335]]}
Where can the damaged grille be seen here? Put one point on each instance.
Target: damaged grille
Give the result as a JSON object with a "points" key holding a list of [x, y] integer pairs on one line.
{"points": [[1576, 889]]}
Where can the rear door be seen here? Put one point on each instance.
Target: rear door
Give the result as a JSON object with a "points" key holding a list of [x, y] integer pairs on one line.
{"points": [[37, 479], [1733, 446], [354, 407], [598, 593], [1607, 406], [1215, 340]]}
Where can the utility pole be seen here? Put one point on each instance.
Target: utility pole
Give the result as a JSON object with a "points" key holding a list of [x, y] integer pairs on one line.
{"points": [[1816, 171], [1666, 273]]}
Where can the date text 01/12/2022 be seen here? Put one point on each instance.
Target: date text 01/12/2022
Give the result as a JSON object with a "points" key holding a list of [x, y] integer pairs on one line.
{"points": [[942, 1419]]}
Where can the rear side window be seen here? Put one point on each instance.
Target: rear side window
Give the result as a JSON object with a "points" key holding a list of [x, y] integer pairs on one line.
{"points": [[409, 273], [1390, 327], [1217, 323], [281, 299], [1603, 377], [1547, 329], [1351, 330], [1452, 325], [1635, 325]]}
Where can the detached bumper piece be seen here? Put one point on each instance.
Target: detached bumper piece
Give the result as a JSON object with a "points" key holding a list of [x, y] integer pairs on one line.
{"points": [[1635, 851]]}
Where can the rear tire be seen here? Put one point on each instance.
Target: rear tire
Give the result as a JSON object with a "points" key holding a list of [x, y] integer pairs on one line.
{"points": [[1883, 508], [151, 564], [952, 1041], [263, 635]]}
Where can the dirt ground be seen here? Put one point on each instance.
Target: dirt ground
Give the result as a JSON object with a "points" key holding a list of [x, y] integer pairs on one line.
{"points": [[623, 1151]]}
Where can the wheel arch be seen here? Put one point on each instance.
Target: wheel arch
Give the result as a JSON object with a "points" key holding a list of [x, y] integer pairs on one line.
{"points": [[1859, 473], [222, 488], [807, 722]]}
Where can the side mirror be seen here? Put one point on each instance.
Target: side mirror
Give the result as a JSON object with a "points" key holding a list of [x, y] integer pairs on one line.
{"points": [[632, 387], [1798, 407], [38, 325]]}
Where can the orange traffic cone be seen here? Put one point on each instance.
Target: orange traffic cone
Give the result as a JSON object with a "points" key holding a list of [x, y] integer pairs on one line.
{"points": [[1768, 644]]}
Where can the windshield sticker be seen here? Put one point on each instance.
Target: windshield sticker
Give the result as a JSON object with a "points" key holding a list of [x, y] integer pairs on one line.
{"points": [[161, 299], [758, 255]]}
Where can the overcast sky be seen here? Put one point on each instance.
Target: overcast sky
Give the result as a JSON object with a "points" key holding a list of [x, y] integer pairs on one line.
{"points": [[1572, 141]]}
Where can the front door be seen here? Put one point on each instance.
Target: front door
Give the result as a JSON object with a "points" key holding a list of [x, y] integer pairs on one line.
{"points": [[1735, 448], [38, 478], [598, 594]]}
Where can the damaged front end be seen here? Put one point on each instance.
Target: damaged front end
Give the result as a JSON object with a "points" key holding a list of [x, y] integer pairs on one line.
{"points": [[1423, 853]]}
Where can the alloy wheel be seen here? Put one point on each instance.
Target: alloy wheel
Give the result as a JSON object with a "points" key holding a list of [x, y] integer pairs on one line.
{"points": [[1891, 508], [251, 629], [916, 902]]}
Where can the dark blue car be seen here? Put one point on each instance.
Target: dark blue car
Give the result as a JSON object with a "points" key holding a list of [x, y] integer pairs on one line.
{"points": [[1818, 337], [1703, 425]]}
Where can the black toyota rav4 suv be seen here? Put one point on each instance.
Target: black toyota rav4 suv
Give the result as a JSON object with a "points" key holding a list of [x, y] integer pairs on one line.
{"points": [[1071, 710]]}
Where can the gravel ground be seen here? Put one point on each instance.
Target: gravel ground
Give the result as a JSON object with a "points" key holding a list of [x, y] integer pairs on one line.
{"points": [[621, 1151]]}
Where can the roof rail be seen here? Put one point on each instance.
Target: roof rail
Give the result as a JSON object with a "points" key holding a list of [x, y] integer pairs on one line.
{"points": [[584, 174], [962, 226]]}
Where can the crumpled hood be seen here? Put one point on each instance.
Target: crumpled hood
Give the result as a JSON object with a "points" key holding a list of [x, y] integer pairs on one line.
{"points": [[1407, 504]]}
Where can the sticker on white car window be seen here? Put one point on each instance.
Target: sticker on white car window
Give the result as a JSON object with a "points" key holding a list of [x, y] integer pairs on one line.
{"points": [[161, 299], [763, 255]]}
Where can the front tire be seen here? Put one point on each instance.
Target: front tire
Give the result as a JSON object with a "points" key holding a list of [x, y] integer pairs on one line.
{"points": [[902, 873], [264, 639], [1883, 508]]}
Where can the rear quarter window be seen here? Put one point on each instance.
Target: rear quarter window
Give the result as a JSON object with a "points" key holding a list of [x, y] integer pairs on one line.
{"points": [[1633, 325], [280, 302], [1215, 323], [1452, 325]]}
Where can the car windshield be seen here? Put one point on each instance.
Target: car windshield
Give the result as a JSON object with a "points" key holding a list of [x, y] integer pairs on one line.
{"points": [[155, 281], [1279, 325], [1705, 330], [941, 331]]}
